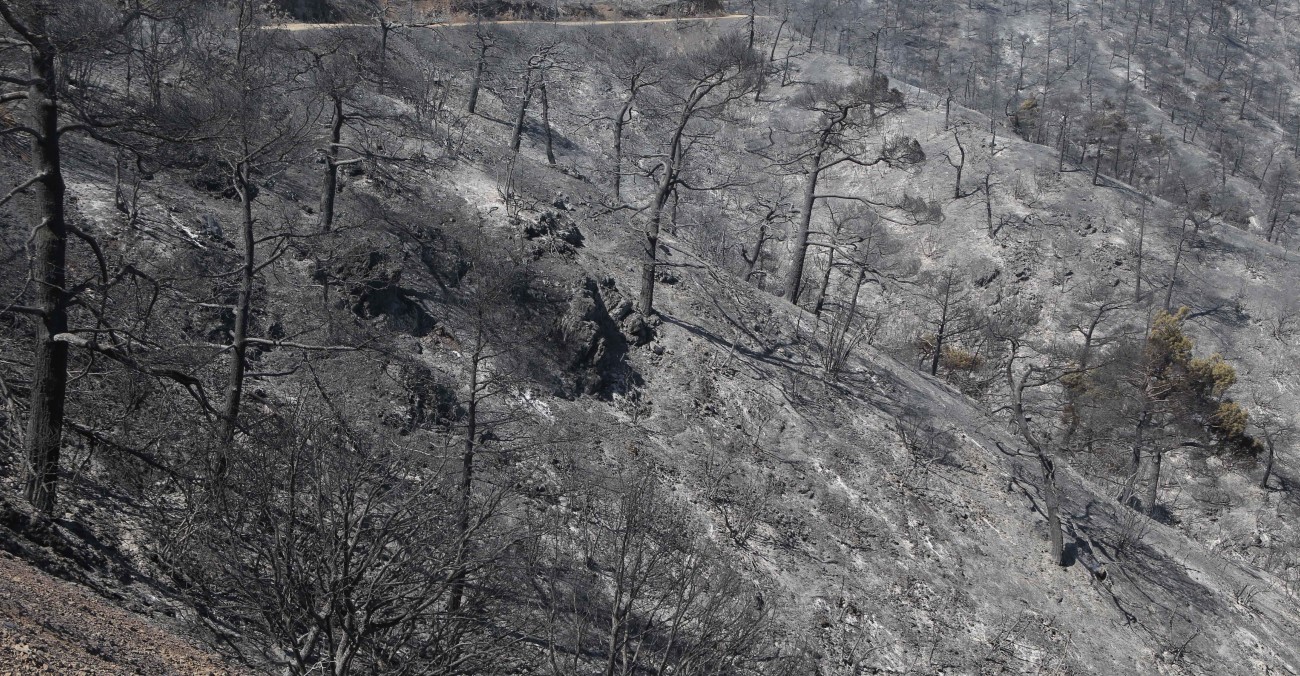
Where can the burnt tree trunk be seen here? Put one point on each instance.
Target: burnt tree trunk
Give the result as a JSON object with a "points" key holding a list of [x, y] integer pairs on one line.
{"points": [[478, 76], [1178, 259], [332, 166], [384, 29], [794, 282], [645, 303], [1141, 243], [751, 263], [941, 329], [1153, 488], [243, 307], [456, 595], [1064, 140], [524, 99], [1135, 456], [988, 205], [959, 166], [824, 288], [48, 270], [1050, 492], [1096, 167], [1268, 461], [546, 123], [667, 184], [624, 116]]}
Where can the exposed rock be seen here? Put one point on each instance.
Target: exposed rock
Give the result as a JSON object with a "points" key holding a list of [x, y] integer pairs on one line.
{"points": [[556, 226], [210, 226], [597, 337], [666, 277], [636, 329], [374, 289], [984, 280]]}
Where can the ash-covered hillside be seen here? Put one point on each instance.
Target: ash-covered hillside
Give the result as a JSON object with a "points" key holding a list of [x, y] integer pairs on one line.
{"points": [[774, 338]]}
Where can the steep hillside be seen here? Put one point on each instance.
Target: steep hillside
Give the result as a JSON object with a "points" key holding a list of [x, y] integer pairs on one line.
{"points": [[896, 516], [464, 447]]}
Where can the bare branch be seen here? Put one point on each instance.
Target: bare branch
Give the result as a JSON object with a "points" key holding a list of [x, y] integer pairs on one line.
{"points": [[301, 346], [189, 382], [25, 185]]}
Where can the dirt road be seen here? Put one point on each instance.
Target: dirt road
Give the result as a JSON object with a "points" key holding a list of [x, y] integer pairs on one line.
{"points": [[510, 22]]}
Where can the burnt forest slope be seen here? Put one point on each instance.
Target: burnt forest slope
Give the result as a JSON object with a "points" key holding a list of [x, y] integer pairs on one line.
{"points": [[876, 518]]}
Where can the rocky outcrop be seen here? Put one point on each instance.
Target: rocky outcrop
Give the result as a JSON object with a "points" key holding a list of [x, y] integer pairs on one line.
{"points": [[556, 229], [596, 333], [373, 287]]}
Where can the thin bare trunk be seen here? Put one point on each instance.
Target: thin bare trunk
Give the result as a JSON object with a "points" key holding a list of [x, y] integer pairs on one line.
{"points": [[332, 167], [1060, 158], [1173, 276], [478, 77], [1096, 168], [826, 282], [751, 262], [1135, 455], [456, 594], [1142, 236], [667, 184], [384, 29], [243, 307], [1153, 487], [524, 100], [942, 328], [988, 204], [624, 116], [645, 304], [771, 57], [1268, 462], [1050, 491], [546, 123]]}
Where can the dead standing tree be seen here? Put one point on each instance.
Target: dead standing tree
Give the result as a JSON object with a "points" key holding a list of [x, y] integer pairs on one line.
{"points": [[868, 253], [846, 117], [383, 13], [361, 128], [56, 38], [490, 357], [1017, 384], [767, 210], [334, 553], [960, 165], [952, 313], [634, 65], [251, 113], [699, 87], [336, 74], [1276, 428], [545, 57], [51, 35], [637, 589], [39, 92], [485, 40]]}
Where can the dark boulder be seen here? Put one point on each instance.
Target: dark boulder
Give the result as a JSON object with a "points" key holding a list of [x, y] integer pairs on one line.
{"points": [[373, 285], [595, 334]]}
